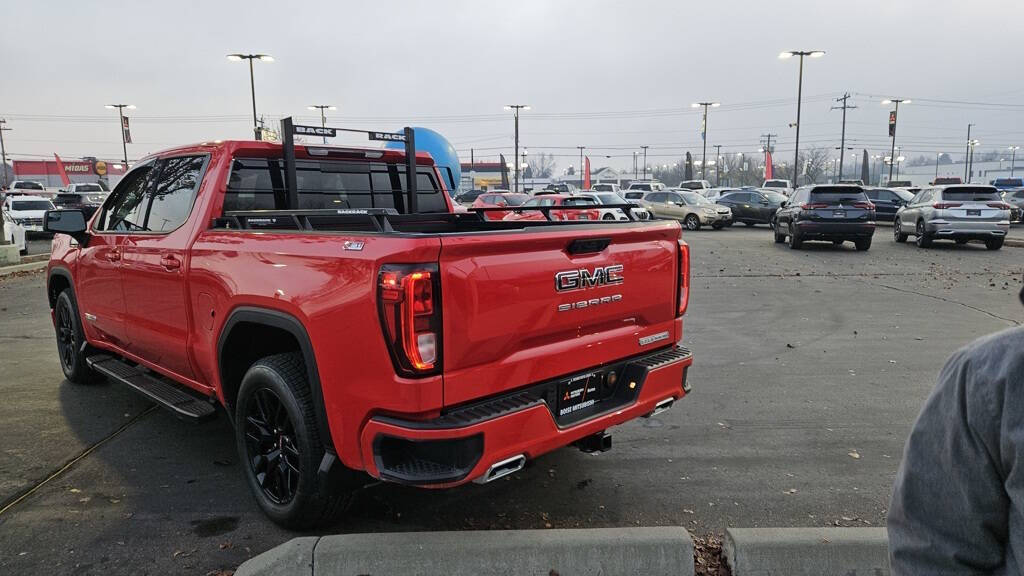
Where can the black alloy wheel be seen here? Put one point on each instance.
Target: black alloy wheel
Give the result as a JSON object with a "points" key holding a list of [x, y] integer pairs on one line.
{"points": [[271, 448], [67, 335]]}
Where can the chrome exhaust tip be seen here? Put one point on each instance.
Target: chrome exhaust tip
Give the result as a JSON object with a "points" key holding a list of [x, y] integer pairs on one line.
{"points": [[502, 469]]}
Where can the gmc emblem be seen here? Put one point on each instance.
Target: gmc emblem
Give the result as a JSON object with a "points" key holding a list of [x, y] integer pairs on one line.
{"points": [[582, 279]]}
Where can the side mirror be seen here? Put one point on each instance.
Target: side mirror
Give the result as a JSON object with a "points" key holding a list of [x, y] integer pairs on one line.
{"points": [[784, 203], [70, 222]]}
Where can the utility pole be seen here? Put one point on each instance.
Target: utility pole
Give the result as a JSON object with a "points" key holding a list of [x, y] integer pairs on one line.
{"points": [[3, 153], [323, 119], [718, 164], [704, 135], [842, 138], [634, 165], [516, 108], [645, 161], [968, 153], [937, 156]]}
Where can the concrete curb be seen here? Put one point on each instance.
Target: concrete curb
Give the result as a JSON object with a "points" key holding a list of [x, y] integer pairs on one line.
{"points": [[7, 270], [807, 551], [656, 551]]}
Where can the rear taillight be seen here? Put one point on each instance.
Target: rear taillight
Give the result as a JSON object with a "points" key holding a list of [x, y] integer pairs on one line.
{"points": [[945, 205], [864, 205], [683, 284], [409, 302], [999, 205], [813, 205]]}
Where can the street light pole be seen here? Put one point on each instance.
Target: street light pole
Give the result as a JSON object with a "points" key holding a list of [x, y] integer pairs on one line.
{"points": [[1013, 155], [323, 119], [252, 83], [704, 134], [895, 120], [645, 161], [581, 165], [120, 113], [799, 98], [967, 154], [970, 159], [515, 109], [3, 153], [718, 165]]}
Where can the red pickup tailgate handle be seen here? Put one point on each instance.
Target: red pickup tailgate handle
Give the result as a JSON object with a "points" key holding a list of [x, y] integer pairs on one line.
{"points": [[588, 245]]}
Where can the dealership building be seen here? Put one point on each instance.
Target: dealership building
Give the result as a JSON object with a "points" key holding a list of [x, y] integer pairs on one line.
{"points": [[48, 172]]}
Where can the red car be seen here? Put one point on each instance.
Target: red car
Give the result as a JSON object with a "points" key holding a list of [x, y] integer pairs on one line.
{"points": [[501, 200], [344, 337], [524, 213]]}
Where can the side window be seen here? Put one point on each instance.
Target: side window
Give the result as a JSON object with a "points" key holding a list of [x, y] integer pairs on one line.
{"points": [[125, 210], [174, 193], [875, 194]]}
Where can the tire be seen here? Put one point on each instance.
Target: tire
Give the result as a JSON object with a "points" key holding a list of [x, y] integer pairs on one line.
{"points": [[863, 244], [718, 225], [692, 222], [750, 224], [922, 238], [779, 238], [961, 240], [897, 231], [794, 241], [994, 244], [70, 337], [608, 217], [274, 407]]}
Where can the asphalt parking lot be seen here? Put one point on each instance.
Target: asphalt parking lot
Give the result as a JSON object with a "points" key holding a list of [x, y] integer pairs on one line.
{"points": [[810, 367]]}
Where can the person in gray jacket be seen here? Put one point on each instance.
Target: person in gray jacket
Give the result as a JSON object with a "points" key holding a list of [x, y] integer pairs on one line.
{"points": [[958, 501]]}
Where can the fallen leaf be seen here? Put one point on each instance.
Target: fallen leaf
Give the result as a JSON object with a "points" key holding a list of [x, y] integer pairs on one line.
{"points": [[854, 454]]}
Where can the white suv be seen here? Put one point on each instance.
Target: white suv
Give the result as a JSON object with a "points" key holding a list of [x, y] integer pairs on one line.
{"points": [[28, 211]]}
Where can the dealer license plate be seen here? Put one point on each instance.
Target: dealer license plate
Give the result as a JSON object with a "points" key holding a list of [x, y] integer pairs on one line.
{"points": [[579, 394]]}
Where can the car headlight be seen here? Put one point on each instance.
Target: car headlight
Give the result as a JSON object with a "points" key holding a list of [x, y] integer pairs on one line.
{"points": [[709, 211]]}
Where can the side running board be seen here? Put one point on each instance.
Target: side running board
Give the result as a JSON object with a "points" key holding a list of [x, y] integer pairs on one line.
{"points": [[158, 389]]}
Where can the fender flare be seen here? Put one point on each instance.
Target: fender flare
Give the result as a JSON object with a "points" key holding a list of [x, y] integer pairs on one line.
{"points": [[292, 325], [57, 271]]}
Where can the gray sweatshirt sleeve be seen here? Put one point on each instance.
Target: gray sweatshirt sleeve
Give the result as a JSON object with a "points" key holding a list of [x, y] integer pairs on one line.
{"points": [[951, 510]]}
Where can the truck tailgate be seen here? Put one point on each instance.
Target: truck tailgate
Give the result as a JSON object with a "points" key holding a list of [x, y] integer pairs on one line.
{"points": [[510, 320]]}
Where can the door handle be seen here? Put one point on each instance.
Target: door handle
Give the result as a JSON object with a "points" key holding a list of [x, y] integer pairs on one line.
{"points": [[170, 262], [113, 255]]}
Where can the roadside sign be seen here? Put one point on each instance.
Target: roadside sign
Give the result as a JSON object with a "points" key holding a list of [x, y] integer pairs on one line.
{"points": [[892, 123], [127, 131]]}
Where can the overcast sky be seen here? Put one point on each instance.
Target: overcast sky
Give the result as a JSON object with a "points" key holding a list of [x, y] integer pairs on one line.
{"points": [[607, 75]]}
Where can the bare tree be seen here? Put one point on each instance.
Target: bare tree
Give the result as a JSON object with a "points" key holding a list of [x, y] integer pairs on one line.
{"points": [[541, 165]]}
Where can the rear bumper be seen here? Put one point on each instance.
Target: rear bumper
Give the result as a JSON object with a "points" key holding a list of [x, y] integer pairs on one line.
{"points": [[967, 228], [814, 230], [463, 443]]}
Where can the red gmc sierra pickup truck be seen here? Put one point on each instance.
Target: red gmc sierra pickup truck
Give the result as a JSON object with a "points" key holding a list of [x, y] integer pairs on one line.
{"points": [[346, 335]]}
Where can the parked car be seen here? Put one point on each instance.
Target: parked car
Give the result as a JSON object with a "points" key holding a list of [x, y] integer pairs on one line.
{"points": [[714, 194], [780, 185], [86, 197], [1007, 183], [946, 180], [610, 198], [887, 201], [524, 212], [502, 200], [832, 213], [468, 197], [960, 212], [855, 182], [606, 187], [24, 187], [689, 207], [695, 185], [752, 206], [27, 210], [14, 233], [1015, 198], [559, 188], [425, 349], [646, 186]]}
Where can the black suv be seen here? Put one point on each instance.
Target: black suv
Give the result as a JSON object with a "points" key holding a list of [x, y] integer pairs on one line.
{"points": [[829, 213]]}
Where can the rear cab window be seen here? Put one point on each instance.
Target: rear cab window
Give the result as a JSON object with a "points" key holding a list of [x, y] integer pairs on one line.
{"points": [[837, 195], [258, 184]]}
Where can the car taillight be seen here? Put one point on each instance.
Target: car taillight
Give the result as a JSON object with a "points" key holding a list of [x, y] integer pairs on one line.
{"points": [[683, 286], [813, 205], [864, 205], [409, 302], [999, 205], [944, 205]]}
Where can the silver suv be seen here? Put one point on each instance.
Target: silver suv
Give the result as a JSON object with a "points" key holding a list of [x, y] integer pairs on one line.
{"points": [[961, 212]]}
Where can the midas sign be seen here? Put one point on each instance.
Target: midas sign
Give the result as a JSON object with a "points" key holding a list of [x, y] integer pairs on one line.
{"points": [[78, 167]]}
